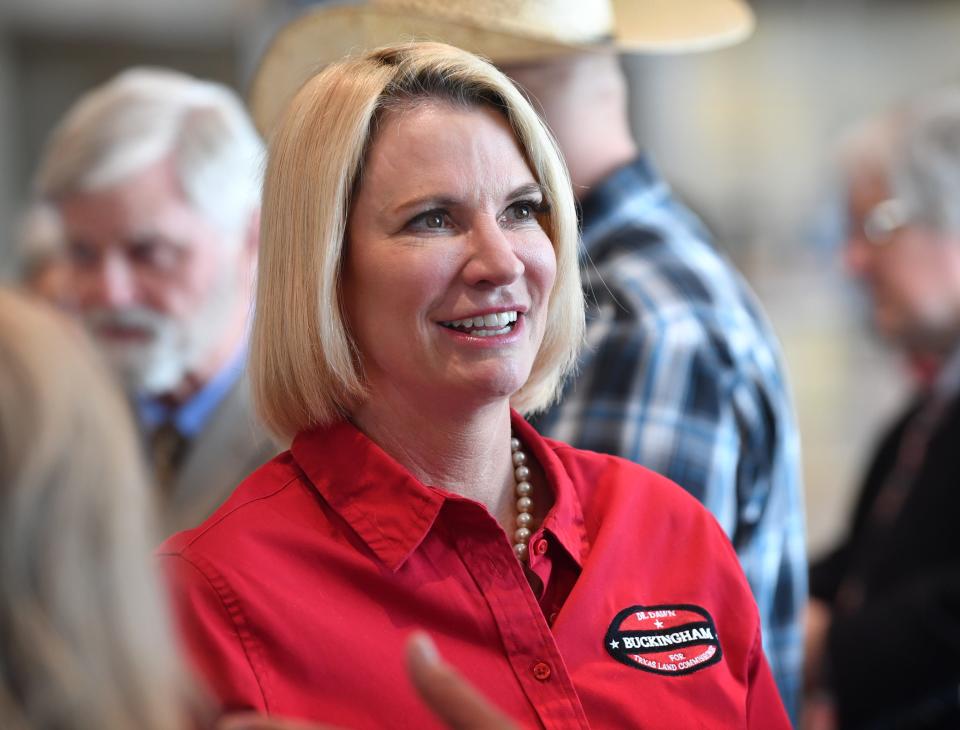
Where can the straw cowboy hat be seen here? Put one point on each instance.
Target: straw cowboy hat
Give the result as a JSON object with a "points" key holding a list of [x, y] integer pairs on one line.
{"points": [[504, 31]]}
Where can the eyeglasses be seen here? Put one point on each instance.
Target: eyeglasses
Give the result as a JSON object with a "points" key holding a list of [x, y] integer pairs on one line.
{"points": [[883, 220]]}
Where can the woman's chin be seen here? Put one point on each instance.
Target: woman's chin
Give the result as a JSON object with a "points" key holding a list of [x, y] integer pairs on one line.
{"points": [[483, 388]]}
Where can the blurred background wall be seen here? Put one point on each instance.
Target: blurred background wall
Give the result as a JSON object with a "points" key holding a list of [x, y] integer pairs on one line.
{"points": [[746, 135]]}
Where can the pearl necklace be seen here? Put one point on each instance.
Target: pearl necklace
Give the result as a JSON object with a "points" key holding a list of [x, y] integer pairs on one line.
{"points": [[521, 473]]}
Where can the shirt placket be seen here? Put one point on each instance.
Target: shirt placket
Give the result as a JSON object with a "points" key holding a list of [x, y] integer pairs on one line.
{"points": [[531, 649]]}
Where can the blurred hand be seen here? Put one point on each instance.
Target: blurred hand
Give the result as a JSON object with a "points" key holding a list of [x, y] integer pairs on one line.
{"points": [[818, 713], [450, 696], [446, 693], [817, 620]]}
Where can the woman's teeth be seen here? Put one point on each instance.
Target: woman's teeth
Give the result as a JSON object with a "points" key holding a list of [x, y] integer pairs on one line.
{"points": [[485, 325]]}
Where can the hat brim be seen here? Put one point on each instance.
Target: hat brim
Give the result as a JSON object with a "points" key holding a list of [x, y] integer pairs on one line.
{"points": [[680, 26], [327, 34]]}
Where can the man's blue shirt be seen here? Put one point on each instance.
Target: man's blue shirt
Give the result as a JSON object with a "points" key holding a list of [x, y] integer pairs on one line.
{"points": [[190, 417]]}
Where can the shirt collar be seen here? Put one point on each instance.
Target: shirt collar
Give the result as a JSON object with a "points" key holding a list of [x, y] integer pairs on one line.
{"points": [[358, 480], [565, 519], [621, 196], [191, 416]]}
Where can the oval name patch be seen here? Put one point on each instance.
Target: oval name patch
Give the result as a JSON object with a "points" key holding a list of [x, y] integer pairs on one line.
{"points": [[670, 640]]}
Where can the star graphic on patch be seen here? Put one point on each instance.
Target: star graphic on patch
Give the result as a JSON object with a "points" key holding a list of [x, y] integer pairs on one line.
{"points": [[614, 644], [658, 623]]}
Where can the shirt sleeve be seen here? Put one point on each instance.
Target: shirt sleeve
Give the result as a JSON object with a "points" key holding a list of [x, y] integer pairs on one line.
{"points": [[213, 632], [768, 534]]}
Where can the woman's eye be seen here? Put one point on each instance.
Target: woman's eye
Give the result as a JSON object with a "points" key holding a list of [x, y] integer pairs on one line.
{"points": [[432, 220], [522, 211]]}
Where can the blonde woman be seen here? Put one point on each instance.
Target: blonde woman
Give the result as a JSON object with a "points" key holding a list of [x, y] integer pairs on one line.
{"points": [[418, 293], [84, 639]]}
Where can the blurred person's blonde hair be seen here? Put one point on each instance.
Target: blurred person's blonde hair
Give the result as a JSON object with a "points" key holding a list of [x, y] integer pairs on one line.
{"points": [[144, 115], [305, 365], [84, 635]]}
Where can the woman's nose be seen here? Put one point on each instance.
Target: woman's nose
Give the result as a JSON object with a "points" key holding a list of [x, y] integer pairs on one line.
{"points": [[493, 258]]}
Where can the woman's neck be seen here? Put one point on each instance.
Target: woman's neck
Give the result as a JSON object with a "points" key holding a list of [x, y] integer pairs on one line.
{"points": [[465, 451]]}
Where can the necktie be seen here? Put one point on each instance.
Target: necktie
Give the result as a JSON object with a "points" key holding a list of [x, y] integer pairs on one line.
{"points": [[168, 447]]}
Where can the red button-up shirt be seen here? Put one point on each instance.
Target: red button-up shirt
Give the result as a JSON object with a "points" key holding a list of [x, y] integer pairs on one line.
{"points": [[297, 596]]}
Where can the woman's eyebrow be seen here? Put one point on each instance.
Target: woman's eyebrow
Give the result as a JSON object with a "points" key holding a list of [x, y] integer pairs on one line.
{"points": [[444, 201], [426, 201], [527, 190]]}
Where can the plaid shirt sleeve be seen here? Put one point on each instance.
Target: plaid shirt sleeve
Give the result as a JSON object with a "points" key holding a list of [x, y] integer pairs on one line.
{"points": [[683, 375]]}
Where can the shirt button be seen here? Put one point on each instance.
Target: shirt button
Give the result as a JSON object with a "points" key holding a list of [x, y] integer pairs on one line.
{"points": [[552, 618], [541, 547], [542, 671]]}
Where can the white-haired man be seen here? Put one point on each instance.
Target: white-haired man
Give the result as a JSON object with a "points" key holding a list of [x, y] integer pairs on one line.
{"points": [[156, 179], [683, 374], [883, 633]]}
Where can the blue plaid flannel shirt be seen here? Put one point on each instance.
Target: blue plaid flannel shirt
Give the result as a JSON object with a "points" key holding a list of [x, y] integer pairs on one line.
{"points": [[683, 374]]}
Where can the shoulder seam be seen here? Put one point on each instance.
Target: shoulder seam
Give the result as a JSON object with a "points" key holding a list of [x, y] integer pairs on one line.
{"points": [[231, 605], [221, 518]]}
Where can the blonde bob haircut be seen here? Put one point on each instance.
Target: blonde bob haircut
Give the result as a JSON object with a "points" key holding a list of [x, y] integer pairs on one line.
{"points": [[85, 639], [305, 366]]}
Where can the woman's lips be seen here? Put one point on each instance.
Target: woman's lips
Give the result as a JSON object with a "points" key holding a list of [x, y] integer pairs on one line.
{"points": [[485, 325]]}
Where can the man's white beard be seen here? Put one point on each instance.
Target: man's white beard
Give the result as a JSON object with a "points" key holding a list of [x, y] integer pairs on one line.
{"points": [[173, 348]]}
